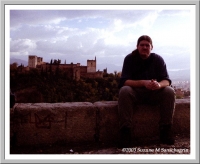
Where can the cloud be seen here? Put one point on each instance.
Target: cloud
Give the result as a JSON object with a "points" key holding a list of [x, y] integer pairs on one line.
{"points": [[22, 45], [149, 20], [78, 35], [33, 17]]}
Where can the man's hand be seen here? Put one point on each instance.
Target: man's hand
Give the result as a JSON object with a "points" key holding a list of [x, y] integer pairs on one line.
{"points": [[152, 85], [155, 85]]}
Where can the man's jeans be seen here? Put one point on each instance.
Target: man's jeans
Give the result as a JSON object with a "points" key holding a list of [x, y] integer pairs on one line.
{"points": [[130, 97]]}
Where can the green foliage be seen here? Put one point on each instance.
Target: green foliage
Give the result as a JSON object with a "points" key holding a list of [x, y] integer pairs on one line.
{"points": [[46, 86]]}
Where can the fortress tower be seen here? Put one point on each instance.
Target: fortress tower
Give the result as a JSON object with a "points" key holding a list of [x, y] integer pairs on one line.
{"points": [[91, 66], [39, 60], [32, 61]]}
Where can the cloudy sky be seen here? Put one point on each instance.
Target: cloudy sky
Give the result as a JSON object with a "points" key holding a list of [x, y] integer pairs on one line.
{"points": [[79, 34]]}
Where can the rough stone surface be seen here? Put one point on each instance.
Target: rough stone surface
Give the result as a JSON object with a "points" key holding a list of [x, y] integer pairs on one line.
{"points": [[84, 122], [44, 123], [107, 121]]}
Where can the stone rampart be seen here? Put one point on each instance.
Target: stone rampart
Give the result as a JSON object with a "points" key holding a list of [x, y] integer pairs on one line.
{"points": [[78, 122]]}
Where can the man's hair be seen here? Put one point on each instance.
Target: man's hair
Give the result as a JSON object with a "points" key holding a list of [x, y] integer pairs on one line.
{"points": [[144, 37]]}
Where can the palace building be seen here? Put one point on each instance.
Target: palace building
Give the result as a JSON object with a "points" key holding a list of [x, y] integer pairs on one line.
{"points": [[75, 71]]}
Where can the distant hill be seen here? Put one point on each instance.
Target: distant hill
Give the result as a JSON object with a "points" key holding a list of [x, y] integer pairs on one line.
{"points": [[180, 75], [18, 61]]}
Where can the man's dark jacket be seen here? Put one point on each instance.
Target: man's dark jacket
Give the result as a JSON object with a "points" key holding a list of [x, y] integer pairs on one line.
{"points": [[136, 68]]}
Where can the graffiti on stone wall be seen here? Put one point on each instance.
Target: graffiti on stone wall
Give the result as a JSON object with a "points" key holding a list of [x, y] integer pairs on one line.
{"points": [[40, 121], [44, 122]]}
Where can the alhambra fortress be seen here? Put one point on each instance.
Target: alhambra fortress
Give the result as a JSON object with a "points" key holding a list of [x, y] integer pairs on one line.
{"points": [[75, 71]]}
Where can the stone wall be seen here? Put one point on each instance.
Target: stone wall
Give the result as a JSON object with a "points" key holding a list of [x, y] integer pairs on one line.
{"points": [[79, 122]]}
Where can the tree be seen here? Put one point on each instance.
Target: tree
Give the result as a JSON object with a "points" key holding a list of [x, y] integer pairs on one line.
{"points": [[13, 66], [115, 72]]}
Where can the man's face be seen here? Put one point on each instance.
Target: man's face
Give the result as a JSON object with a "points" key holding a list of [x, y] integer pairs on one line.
{"points": [[144, 49]]}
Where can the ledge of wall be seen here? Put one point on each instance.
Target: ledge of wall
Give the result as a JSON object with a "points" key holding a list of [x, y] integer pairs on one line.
{"points": [[78, 122]]}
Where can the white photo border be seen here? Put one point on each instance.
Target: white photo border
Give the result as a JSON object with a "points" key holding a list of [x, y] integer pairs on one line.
{"points": [[7, 158]]}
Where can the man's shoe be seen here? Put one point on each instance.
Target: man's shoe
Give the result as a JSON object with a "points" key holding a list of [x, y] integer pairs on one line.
{"points": [[166, 135], [125, 138]]}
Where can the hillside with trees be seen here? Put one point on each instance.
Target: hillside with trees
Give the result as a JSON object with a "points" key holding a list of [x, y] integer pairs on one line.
{"points": [[36, 86]]}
